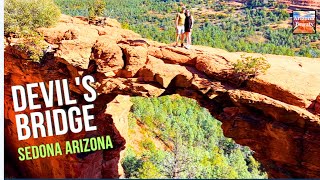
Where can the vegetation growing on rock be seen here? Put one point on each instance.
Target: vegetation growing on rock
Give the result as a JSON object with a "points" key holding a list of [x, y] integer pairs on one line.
{"points": [[33, 47], [249, 66], [24, 16], [96, 8]]}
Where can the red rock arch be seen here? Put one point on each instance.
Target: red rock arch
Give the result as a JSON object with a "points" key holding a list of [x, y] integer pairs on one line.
{"points": [[269, 115]]}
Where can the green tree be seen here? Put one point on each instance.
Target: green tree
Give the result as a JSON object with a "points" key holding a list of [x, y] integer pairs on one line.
{"points": [[131, 164], [149, 171]]}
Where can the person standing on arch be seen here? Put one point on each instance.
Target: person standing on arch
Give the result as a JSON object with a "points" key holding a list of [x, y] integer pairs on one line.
{"points": [[188, 25], [179, 23]]}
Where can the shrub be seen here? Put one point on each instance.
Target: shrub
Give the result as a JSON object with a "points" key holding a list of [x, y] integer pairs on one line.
{"points": [[149, 171], [96, 8], [23, 16], [125, 25], [131, 163], [249, 66], [148, 144], [32, 47]]}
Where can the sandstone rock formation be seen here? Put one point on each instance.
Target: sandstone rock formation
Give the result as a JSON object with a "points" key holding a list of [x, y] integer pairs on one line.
{"points": [[274, 114], [310, 4], [315, 4], [295, 4]]}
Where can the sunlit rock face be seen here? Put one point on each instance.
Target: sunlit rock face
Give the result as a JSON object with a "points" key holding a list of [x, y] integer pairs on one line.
{"points": [[302, 4], [314, 3], [276, 114], [310, 4]]}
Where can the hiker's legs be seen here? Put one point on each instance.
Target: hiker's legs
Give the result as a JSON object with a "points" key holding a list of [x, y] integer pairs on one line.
{"points": [[188, 38], [182, 38], [178, 35], [177, 38]]}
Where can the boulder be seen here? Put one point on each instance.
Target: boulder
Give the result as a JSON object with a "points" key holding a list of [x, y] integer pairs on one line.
{"points": [[135, 59], [107, 55]]}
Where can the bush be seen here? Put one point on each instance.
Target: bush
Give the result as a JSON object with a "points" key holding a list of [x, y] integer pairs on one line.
{"points": [[249, 66], [33, 47], [148, 144], [131, 163], [125, 25], [23, 16], [149, 171], [96, 8]]}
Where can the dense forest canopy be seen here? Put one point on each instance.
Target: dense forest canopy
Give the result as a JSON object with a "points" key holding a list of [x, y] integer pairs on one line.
{"points": [[192, 144], [236, 27]]}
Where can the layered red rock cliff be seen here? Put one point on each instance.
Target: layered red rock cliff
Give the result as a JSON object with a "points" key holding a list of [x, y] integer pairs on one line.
{"points": [[309, 3], [276, 114], [302, 4]]}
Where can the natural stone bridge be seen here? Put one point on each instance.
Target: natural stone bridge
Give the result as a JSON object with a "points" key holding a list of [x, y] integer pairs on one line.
{"points": [[274, 114]]}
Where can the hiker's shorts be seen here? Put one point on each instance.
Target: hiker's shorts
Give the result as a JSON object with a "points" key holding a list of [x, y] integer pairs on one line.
{"points": [[180, 29]]}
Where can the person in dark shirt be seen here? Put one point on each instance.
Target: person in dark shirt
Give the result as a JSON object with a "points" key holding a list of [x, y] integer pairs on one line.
{"points": [[188, 25]]}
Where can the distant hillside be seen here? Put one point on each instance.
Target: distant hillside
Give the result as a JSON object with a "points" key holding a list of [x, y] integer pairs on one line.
{"points": [[314, 4], [253, 27], [311, 3]]}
